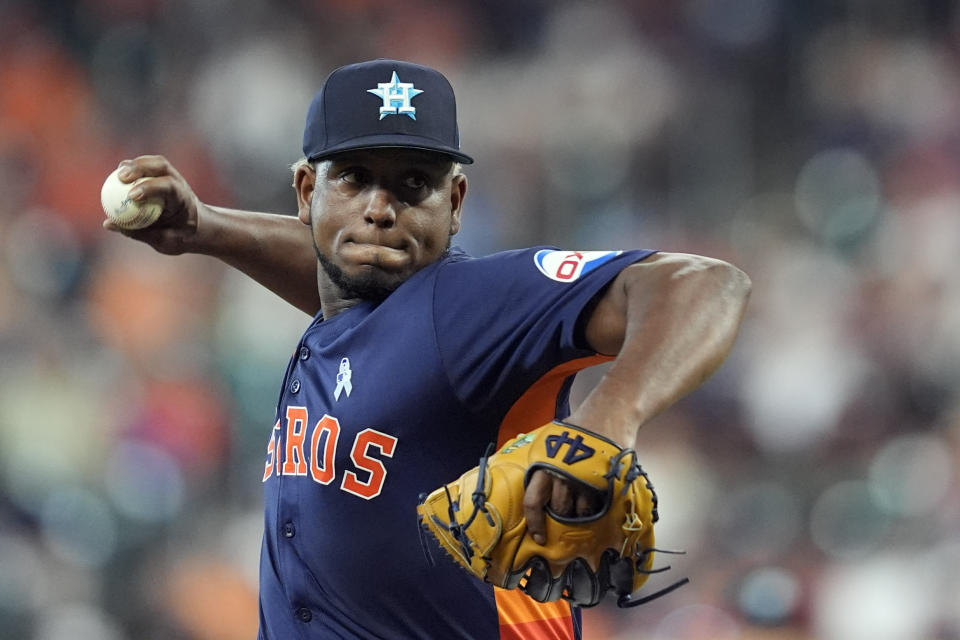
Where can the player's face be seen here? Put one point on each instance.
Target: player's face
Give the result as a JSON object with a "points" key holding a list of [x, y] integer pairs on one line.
{"points": [[380, 215]]}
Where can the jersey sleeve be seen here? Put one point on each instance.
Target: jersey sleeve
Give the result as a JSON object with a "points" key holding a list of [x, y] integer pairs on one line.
{"points": [[504, 320]]}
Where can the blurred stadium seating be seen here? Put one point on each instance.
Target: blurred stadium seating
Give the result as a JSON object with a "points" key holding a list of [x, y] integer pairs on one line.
{"points": [[816, 144]]}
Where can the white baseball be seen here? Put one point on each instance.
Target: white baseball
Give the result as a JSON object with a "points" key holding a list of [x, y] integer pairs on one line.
{"points": [[122, 210]]}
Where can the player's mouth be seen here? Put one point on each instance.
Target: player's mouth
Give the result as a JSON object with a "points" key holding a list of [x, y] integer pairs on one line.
{"points": [[386, 255]]}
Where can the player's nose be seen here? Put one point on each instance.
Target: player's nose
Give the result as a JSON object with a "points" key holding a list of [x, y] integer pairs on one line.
{"points": [[381, 209]]}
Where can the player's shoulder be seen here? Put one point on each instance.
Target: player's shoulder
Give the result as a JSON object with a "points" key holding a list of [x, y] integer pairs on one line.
{"points": [[543, 261], [458, 261], [501, 265]]}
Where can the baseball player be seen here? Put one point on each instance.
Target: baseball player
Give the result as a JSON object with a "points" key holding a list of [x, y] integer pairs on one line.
{"points": [[419, 355]]}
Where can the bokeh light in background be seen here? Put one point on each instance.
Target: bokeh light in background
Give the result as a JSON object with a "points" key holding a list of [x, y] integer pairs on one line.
{"points": [[813, 481]]}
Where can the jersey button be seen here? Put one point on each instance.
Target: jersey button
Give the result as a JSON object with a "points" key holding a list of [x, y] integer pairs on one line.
{"points": [[289, 530], [304, 353], [295, 386], [304, 614]]}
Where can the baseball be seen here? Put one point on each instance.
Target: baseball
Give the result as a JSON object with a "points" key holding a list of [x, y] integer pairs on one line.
{"points": [[122, 210]]}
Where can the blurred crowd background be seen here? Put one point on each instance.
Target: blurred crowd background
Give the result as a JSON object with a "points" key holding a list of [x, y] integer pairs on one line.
{"points": [[815, 143]]}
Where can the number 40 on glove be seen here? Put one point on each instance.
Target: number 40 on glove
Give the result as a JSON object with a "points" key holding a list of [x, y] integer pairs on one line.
{"points": [[479, 520]]}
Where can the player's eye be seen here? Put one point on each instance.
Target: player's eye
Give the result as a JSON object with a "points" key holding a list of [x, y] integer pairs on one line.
{"points": [[354, 176], [415, 181]]}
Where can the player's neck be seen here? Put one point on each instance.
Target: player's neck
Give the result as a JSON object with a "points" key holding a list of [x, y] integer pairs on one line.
{"points": [[339, 293], [332, 299], [335, 299]]}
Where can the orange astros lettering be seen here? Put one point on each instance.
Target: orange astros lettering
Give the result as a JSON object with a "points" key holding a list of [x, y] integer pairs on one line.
{"points": [[271, 463], [294, 461], [318, 460], [324, 473], [378, 473]]}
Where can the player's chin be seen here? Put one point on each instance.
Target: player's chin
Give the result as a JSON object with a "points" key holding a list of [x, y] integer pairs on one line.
{"points": [[377, 276], [387, 276], [372, 282]]}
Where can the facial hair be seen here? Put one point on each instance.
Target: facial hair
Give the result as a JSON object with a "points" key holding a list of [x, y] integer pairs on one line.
{"points": [[366, 286], [363, 287]]}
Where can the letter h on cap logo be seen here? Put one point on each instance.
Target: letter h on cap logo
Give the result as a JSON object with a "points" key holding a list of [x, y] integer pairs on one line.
{"points": [[396, 97]]}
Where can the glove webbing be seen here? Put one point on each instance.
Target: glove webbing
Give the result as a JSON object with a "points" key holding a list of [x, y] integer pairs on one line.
{"points": [[635, 471], [639, 558]]}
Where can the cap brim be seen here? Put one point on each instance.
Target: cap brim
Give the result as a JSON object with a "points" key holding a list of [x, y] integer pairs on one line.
{"points": [[394, 141]]}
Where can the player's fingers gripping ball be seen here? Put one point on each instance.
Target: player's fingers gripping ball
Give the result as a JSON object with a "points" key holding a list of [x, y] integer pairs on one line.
{"points": [[124, 211], [479, 519]]}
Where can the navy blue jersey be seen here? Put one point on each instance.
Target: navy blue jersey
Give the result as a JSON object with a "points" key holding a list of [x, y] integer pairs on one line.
{"points": [[385, 401]]}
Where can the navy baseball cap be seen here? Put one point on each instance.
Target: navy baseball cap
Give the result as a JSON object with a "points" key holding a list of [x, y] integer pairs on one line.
{"points": [[383, 103]]}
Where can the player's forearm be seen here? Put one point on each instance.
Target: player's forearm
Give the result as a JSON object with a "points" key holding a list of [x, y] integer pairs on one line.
{"points": [[681, 319], [275, 250]]}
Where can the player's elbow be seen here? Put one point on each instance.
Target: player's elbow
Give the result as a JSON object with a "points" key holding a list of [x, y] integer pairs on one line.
{"points": [[728, 285], [708, 285], [732, 281], [687, 274]]}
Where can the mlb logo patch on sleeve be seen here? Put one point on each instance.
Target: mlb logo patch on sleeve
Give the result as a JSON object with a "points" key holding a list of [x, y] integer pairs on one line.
{"points": [[568, 266]]}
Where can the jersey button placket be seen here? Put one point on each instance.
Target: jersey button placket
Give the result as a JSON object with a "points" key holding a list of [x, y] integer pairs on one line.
{"points": [[304, 614]]}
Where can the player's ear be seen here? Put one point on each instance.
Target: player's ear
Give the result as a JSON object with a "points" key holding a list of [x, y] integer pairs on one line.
{"points": [[458, 192], [304, 182]]}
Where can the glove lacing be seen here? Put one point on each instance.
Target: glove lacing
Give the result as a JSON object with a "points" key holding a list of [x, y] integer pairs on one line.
{"points": [[459, 530]]}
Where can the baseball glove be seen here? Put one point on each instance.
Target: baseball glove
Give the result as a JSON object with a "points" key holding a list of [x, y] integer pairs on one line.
{"points": [[479, 520]]}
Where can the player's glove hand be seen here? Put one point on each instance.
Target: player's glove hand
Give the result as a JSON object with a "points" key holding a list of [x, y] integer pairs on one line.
{"points": [[479, 519]]}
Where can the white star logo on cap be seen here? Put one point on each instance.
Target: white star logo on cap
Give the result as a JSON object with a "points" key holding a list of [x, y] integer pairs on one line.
{"points": [[396, 97]]}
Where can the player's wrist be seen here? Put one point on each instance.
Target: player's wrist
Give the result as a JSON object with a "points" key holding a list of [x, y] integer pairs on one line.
{"points": [[619, 427], [568, 422], [205, 232]]}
